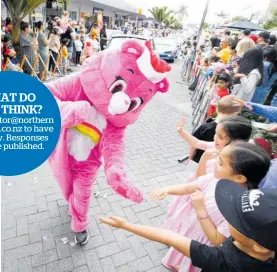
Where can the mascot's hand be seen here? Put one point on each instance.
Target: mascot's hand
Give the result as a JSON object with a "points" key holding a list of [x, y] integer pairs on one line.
{"points": [[75, 113], [120, 184]]}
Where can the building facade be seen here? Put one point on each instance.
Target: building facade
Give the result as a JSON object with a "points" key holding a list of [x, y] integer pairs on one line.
{"points": [[114, 12]]}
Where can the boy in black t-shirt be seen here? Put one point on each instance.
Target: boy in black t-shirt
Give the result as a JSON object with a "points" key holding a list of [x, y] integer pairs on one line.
{"points": [[205, 132], [252, 217]]}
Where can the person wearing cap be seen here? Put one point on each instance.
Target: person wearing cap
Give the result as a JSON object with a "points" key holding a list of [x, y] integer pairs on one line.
{"points": [[245, 43], [252, 218], [263, 39], [272, 40]]}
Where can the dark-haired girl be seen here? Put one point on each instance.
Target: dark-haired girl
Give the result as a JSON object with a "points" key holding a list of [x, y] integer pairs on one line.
{"points": [[27, 44], [250, 74], [197, 216], [228, 130], [261, 93]]}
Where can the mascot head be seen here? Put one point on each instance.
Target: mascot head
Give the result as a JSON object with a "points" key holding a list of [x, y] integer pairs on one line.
{"points": [[120, 83]]}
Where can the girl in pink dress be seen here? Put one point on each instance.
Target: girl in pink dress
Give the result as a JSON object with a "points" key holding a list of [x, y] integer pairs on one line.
{"points": [[228, 129], [182, 217]]}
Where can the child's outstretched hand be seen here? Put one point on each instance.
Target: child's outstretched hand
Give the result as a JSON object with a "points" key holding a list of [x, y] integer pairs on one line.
{"points": [[241, 103], [181, 124], [197, 200], [159, 194], [114, 221]]}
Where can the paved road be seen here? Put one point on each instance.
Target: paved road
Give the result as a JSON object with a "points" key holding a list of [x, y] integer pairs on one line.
{"points": [[34, 217]]}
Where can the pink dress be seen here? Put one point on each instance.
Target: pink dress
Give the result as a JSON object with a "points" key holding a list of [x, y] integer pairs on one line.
{"points": [[182, 219], [210, 164]]}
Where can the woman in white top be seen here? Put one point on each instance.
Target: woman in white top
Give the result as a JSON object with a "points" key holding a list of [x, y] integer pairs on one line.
{"points": [[250, 74], [54, 47], [79, 48]]}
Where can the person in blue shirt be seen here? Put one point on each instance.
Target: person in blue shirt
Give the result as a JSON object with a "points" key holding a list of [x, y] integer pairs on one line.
{"points": [[270, 112]]}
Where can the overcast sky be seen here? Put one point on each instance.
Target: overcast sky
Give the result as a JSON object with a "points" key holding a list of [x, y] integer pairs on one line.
{"points": [[196, 7]]}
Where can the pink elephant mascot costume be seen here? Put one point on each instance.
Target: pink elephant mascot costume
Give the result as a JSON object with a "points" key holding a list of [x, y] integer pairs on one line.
{"points": [[96, 105]]}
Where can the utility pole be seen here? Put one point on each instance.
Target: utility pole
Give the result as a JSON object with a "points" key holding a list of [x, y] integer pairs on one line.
{"points": [[203, 22]]}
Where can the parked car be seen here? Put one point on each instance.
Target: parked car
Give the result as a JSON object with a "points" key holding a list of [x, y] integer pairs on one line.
{"points": [[116, 41], [167, 49]]}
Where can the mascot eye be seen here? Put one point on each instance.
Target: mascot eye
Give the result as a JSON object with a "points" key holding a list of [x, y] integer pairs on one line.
{"points": [[150, 90], [119, 85], [131, 71], [135, 103]]}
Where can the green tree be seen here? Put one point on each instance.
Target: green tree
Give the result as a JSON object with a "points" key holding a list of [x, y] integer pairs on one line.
{"points": [[19, 9], [160, 14], [272, 22], [177, 26], [170, 21], [238, 18]]}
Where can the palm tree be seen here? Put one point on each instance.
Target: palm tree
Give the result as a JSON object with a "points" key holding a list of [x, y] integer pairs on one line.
{"points": [[160, 14], [177, 26], [170, 21], [19, 9], [182, 12]]}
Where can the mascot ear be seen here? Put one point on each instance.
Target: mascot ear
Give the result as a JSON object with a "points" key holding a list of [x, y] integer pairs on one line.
{"points": [[162, 86], [132, 47]]}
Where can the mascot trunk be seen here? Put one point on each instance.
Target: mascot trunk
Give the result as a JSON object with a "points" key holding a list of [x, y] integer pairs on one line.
{"points": [[96, 105]]}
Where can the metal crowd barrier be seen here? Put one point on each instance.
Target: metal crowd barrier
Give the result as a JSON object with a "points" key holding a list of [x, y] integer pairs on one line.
{"points": [[8, 65], [201, 95], [201, 98]]}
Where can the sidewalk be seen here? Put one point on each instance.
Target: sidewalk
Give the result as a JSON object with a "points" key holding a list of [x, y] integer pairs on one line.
{"points": [[34, 214]]}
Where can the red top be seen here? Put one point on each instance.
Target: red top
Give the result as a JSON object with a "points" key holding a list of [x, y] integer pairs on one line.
{"points": [[218, 95]]}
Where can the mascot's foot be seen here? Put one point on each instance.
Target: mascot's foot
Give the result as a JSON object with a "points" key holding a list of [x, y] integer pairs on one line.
{"points": [[81, 237]]}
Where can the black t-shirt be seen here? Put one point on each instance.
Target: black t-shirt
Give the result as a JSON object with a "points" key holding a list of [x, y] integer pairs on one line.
{"points": [[206, 133], [103, 34], [227, 257], [67, 35]]}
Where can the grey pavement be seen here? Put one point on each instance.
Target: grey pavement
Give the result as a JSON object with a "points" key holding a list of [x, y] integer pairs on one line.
{"points": [[34, 214]]}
